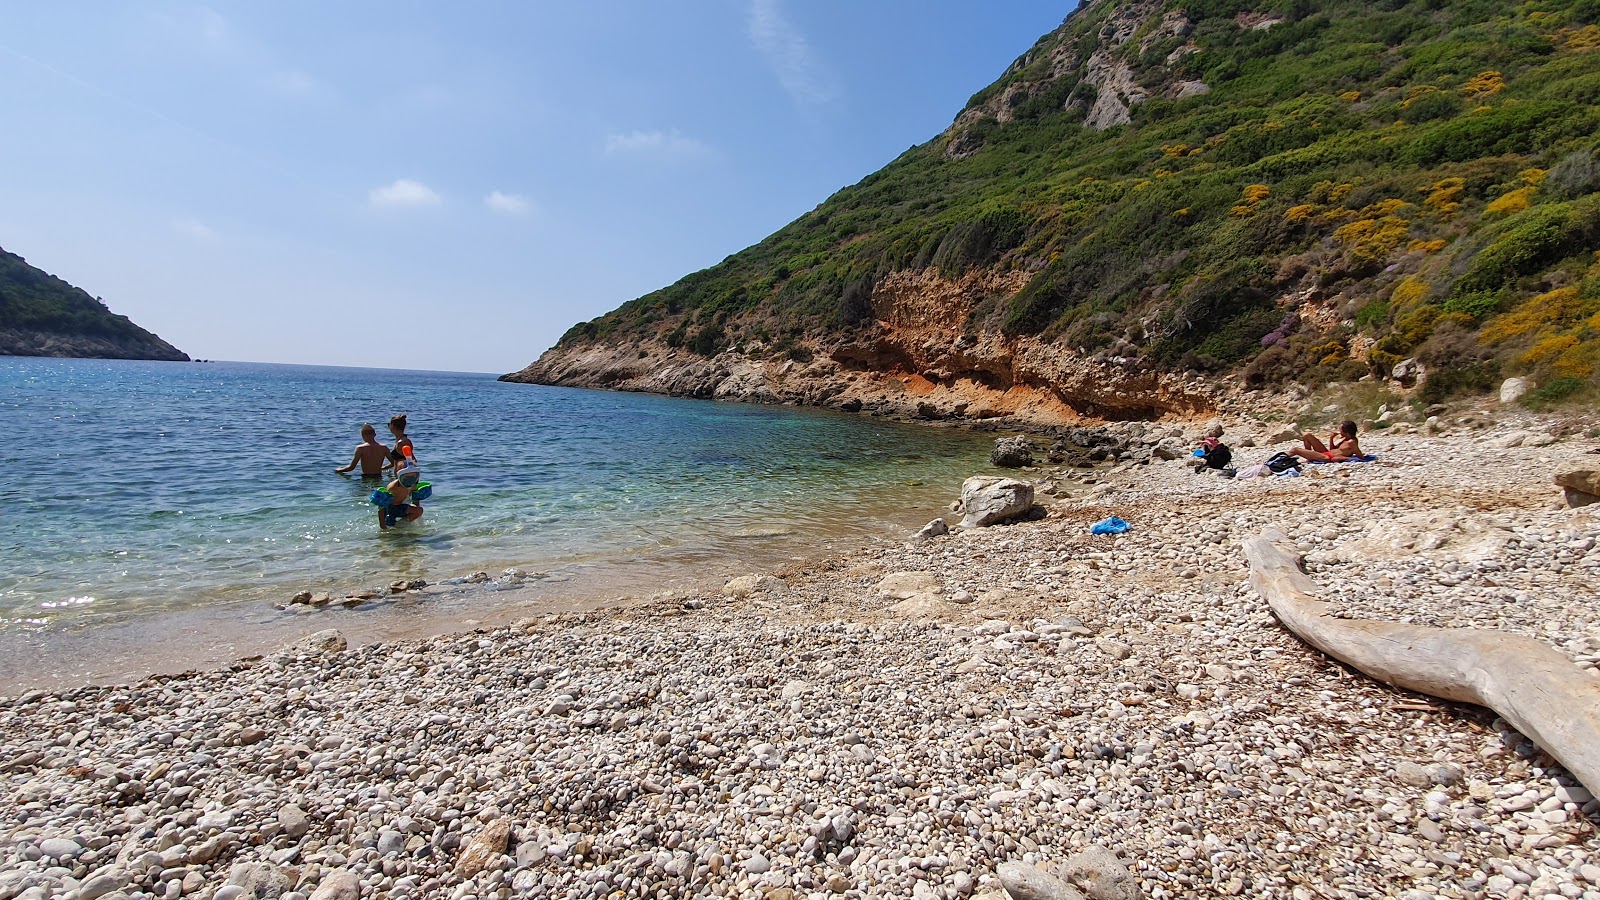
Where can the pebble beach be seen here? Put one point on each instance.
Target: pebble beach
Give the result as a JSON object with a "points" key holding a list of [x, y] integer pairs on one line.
{"points": [[903, 720]]}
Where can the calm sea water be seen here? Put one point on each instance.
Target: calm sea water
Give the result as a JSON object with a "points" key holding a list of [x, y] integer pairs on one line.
{"points": [[141, 488]]}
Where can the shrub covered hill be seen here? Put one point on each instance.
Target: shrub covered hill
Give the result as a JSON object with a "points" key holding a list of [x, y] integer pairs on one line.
{"points": [[41, 315], [1162, 200]]}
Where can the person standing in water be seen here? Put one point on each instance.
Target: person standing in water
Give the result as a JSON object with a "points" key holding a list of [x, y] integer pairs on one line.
{"points": [[372, 456], [402, 444]]}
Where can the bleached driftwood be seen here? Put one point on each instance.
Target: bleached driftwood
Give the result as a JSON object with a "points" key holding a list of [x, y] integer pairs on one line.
{"points": [[1539, 691]]}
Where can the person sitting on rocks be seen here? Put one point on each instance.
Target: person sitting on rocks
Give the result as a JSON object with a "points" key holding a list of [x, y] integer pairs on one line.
{"points": [[1341, 445], [1213, 453]]}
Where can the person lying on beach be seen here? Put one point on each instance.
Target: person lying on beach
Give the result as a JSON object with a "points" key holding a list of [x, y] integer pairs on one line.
{"points": [[1341, 446], [372, 456], [400, 489]]}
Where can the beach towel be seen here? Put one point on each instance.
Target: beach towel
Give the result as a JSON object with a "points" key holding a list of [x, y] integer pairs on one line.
{"points": [[1112, 525], [1371, 457]]}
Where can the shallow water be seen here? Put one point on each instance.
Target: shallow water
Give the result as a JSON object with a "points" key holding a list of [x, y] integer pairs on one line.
{"points": [[148, 489]]}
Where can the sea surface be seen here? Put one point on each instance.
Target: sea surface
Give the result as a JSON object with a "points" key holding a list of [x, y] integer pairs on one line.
{"points": [[138, 492]]}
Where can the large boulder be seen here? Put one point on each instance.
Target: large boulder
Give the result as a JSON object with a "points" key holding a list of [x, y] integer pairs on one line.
{"points": [[988, 500], [484, 847], [1011, 453], [1100, 875], [1025, 882], [1581, 486], [1514, 389]]}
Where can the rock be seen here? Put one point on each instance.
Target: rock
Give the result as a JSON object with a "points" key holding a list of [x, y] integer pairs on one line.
{"points": [[1283, 435], [60, 848], [1024, 882], [391, 842], [1507, 441], [1429, 830], [1114, 649], [483, 848], [1585, 480], [924, 606], [747, 585], [292, 819], [339, 884], [757, 864], [261, 880], [1100, 875], [795, 689], [936, 528], [1406, 372], [1580, 487], [1011, 453], [1408, 772], [101, 884], [987, 500], [318, 644], [905, 585], [1514, 389]]}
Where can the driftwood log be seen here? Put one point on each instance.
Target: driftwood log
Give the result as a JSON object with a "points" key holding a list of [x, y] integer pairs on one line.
{"points": [[1542, 693]]}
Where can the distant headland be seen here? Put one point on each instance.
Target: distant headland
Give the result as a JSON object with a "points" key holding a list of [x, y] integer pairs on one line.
{"points": [[42, 315]]}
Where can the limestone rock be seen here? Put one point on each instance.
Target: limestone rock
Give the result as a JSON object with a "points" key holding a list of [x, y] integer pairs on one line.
{"points": [[339, 884], [1581, 486], [1011, 453], [936, 528], [1100, 875], [292, 819], [321, 643], [905, 585], [987, 500], [261, 880], [483, 848], [1024, 882], [746, 585], [1514, 389]]}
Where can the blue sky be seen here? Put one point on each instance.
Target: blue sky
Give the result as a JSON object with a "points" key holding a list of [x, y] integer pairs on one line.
{"points": [[449, 186]]}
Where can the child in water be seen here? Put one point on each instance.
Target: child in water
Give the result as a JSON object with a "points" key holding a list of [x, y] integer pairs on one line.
{"points": [[372, 456], [406, 477]]}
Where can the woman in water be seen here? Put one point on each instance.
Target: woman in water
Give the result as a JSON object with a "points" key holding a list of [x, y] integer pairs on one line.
{"points": [[402, 444]]}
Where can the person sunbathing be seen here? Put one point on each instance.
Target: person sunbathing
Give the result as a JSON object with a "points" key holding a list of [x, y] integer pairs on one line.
{"points": [[1341, 446]]}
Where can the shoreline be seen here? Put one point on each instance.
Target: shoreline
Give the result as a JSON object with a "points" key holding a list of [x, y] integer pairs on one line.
{"points": [[1030, 691]]}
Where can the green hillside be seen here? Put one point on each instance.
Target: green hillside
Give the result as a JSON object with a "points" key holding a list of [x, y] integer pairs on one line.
{"points": [[41, 315], [1301, 190]]}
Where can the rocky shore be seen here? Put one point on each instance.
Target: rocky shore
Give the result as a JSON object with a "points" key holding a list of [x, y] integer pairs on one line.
{"points": [[909, 720]]}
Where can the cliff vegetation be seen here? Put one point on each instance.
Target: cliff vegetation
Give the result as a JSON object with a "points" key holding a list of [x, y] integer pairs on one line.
{"points": [[1284, 191], [41, 315]]}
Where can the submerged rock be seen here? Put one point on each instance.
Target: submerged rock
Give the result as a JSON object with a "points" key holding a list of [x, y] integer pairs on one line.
{"points": [[1011, 453]]}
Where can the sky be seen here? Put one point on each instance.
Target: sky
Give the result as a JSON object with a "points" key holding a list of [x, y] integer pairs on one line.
{"points": [[424, 185]]}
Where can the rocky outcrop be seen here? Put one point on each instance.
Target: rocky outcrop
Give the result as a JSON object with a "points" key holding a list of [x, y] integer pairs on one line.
{"points": [[917, 359], [20, 342]]}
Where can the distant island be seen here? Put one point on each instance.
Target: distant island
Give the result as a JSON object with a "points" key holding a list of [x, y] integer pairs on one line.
{"points": [[41, 315]]}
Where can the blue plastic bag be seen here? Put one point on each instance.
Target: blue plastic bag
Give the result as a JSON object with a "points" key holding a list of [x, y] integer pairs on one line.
{"points": [[1112, 525]]}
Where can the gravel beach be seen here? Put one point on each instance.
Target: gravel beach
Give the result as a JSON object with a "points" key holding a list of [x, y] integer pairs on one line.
{"points": [[894, 722]]}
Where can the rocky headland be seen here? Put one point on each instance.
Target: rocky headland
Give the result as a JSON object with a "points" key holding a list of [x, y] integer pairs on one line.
{"points": [[1024, 707]]}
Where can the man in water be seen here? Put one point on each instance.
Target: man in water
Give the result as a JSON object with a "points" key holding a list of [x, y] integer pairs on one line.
{"points": [[370, 455]]}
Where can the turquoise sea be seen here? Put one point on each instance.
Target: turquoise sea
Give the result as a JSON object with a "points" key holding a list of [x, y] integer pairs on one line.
{"points": [[136, 490]]}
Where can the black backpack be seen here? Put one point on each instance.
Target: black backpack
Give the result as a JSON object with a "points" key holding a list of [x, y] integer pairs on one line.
{"points": [[1219, 457], [1283, 462]]}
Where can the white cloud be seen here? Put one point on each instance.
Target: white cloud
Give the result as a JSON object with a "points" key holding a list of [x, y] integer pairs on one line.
{"points": [[788, 52], [197, 231], [403, 193], [510, 204], [654, 143]]}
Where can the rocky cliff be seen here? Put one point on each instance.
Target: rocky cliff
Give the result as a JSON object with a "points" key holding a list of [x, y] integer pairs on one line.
{"points": [[1165, 201], [42, 315]]}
